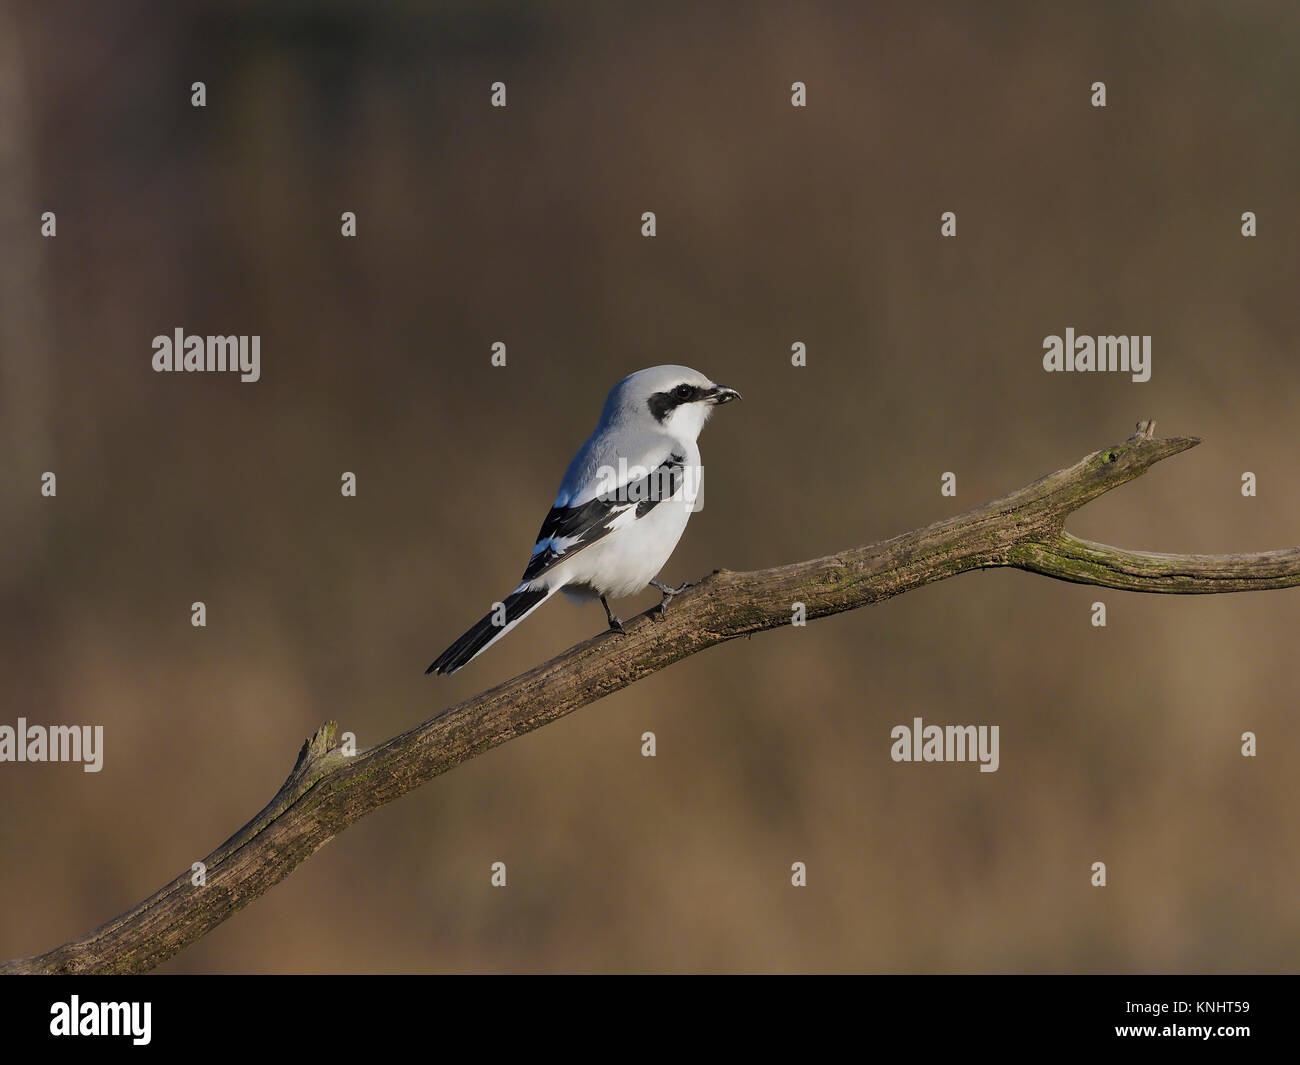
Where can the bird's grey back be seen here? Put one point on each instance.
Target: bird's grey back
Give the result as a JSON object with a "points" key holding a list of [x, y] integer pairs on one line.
{"points": [[641, 447], [629, 431]]}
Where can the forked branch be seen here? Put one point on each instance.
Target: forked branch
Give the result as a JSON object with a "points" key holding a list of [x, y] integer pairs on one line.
{"points": [[327, 791]]}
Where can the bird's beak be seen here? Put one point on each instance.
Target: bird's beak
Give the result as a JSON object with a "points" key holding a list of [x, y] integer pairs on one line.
{"points": [[721, 394]]}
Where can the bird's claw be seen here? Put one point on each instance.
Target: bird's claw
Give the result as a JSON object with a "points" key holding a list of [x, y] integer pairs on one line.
{"points": [[615, 624], [668, 593]]}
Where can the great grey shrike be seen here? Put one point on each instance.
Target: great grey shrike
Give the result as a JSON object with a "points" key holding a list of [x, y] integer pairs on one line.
{"points": [[622, 506]]}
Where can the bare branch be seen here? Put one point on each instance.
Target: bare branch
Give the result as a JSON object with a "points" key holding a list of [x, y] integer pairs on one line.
{"points": [[327, 791]]}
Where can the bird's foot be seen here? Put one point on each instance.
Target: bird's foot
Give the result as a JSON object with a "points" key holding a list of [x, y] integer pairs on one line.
{"points": [[615, 624], [668, 593]]}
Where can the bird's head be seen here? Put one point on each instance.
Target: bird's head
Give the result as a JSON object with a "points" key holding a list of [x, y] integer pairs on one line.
{"points": [[674, 399]]}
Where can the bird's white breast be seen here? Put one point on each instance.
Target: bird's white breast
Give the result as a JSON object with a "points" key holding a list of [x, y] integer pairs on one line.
{"points": [[628, 559]]}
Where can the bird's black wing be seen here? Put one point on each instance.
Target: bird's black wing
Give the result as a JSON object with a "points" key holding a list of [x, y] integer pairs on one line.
{"points": [[567, 530]]}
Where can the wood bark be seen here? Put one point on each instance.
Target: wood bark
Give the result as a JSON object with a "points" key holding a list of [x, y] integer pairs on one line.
{"points": [[327, 790]]}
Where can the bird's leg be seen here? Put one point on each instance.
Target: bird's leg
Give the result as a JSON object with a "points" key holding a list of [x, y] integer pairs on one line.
{"points": [[668, 593], [614, 623]]}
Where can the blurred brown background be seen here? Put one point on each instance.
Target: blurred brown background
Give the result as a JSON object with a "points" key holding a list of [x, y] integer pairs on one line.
{"points": [[775, 225]]}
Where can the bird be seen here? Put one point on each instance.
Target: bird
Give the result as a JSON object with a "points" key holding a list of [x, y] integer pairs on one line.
{"points": [[621, 508]]}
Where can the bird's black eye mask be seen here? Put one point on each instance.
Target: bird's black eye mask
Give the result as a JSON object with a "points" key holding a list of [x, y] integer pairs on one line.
{"points": [[662, 404]]}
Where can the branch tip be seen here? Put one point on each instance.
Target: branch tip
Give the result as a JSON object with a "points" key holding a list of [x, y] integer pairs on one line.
{"points": [[319, 744]]}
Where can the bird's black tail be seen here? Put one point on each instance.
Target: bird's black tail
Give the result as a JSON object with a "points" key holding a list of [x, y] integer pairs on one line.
{"points": [[491, 627]]}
